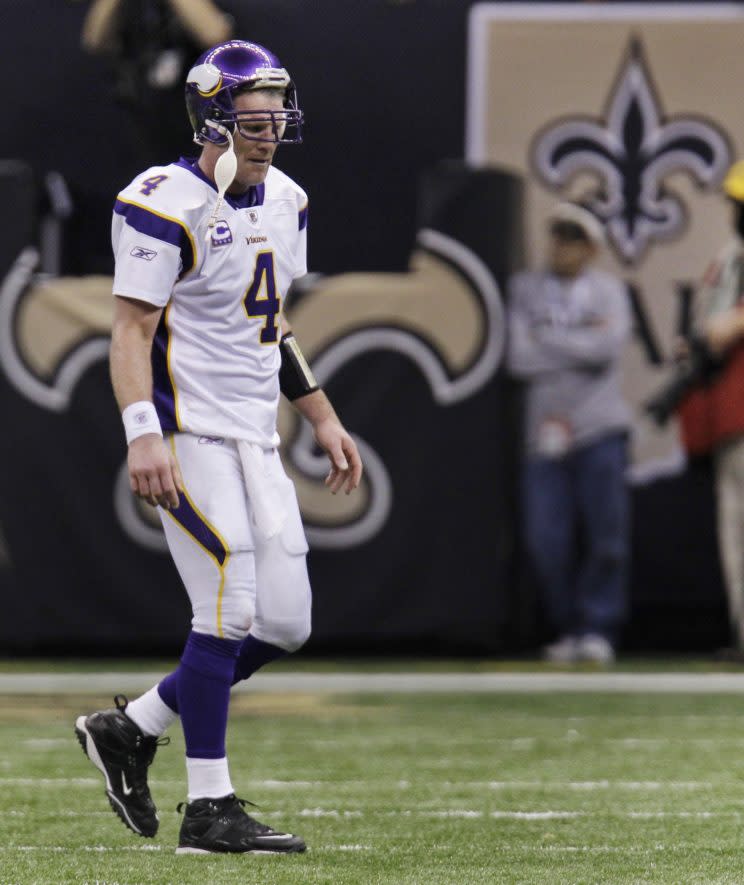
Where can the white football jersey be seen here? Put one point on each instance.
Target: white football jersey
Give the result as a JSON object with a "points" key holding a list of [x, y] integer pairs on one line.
{"points": [[215, 357]]}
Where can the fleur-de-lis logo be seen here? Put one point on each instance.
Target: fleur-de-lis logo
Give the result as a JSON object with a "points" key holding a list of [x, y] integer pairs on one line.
{"points": [[632, 150]]}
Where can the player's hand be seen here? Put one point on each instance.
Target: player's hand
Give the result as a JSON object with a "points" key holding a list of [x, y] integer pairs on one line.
{"points": [[154, 474], [346, 464]]}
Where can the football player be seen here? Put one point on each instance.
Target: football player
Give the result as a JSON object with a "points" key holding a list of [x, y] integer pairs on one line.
{"points": [[205, 250]]}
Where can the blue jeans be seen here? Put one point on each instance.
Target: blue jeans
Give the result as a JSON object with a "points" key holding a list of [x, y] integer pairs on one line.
{"points": [[576, 531]]}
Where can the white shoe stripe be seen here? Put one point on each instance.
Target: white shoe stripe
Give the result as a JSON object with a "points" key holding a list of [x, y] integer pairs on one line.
{"points": [[95, 758], [93, 754], [124, 812]]}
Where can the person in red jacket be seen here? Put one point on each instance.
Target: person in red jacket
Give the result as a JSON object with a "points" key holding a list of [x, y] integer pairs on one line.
{"points": [[712, 416]]}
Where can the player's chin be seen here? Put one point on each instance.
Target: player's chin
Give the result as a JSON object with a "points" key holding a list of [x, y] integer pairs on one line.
{"points": [[254, 171]]}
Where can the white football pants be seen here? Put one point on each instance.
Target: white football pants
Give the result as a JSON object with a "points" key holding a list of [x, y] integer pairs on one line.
{"points": [[237, 580]]}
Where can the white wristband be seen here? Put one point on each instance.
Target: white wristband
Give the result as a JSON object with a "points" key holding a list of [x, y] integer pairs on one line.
{"points": [[140, 418]]}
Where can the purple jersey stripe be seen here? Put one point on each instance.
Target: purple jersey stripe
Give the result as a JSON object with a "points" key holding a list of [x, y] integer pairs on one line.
{"points": [[163, 389], [168, 230], [195, 524], [302, 219], [253, 196]]}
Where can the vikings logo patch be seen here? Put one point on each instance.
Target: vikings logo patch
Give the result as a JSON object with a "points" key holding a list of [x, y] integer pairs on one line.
{"points": [[221, 234]]}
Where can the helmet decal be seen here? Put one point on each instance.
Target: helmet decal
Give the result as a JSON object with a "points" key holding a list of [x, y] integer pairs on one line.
{"points": [[207, 78]]}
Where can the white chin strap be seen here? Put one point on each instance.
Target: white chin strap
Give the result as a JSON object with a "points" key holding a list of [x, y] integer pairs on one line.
{"points": [[224, 173]]}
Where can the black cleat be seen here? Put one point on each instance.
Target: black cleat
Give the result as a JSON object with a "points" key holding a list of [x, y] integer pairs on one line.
{"points": [[220, 825], [117, 747]]}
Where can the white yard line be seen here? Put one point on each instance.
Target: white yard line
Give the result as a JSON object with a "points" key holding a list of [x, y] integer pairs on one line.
{"points": [[576, 786], [50, 782], [69, 848], [584, 785], [327, 812], [35, 814], [537, 815], [501, 848], [630, 815], [642, 743], [99, 849], [510, 814], [442, 813], [45, 743], [391, 683]]}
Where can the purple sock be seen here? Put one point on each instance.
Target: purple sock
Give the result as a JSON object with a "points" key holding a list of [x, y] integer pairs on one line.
{"points": [[168, 690], [203, 691], [254, 653]]}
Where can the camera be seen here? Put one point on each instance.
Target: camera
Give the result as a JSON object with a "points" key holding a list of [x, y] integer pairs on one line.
{"points": [[698, 367]]}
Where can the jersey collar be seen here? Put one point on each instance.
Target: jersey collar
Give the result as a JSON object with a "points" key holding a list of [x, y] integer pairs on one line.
{"points": [[254, 196]]}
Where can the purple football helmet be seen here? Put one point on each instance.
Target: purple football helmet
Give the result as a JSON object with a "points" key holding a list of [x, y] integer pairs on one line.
{"points": [[238, 65]]}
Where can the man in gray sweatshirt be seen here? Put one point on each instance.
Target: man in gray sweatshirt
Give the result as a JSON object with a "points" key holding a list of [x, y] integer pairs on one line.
{"points": [[567, 328]]}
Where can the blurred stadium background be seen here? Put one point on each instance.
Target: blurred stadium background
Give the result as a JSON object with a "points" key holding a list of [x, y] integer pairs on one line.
{"points": [[424, 120], [422, 124]]}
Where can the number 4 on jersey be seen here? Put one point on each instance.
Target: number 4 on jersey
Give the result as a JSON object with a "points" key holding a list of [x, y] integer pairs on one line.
{"points": [[261, 298]]}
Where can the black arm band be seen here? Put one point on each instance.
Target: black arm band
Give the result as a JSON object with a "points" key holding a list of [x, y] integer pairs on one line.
{"points": [[296, 378]]}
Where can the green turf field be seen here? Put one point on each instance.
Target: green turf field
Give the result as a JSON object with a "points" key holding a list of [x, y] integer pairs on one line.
{"points": [[428, 790]]}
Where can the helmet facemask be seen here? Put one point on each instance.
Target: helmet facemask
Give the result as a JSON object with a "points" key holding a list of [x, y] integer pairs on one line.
{"points": [[275, 127]]}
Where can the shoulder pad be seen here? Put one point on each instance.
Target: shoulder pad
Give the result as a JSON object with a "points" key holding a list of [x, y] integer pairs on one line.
{"points": [[168, 190], [281, 186]]}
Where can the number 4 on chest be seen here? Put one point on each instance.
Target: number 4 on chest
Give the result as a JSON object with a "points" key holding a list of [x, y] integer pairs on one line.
{"points": [[261, 298]]}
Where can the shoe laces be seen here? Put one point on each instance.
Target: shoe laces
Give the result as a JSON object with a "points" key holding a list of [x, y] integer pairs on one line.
{"points": [[244, 821], [139, 760], [244, 802], [146, 747], [228, 800]]}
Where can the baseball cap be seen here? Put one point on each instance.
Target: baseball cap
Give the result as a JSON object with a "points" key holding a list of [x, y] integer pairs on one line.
{"points": [[573, 222]]}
